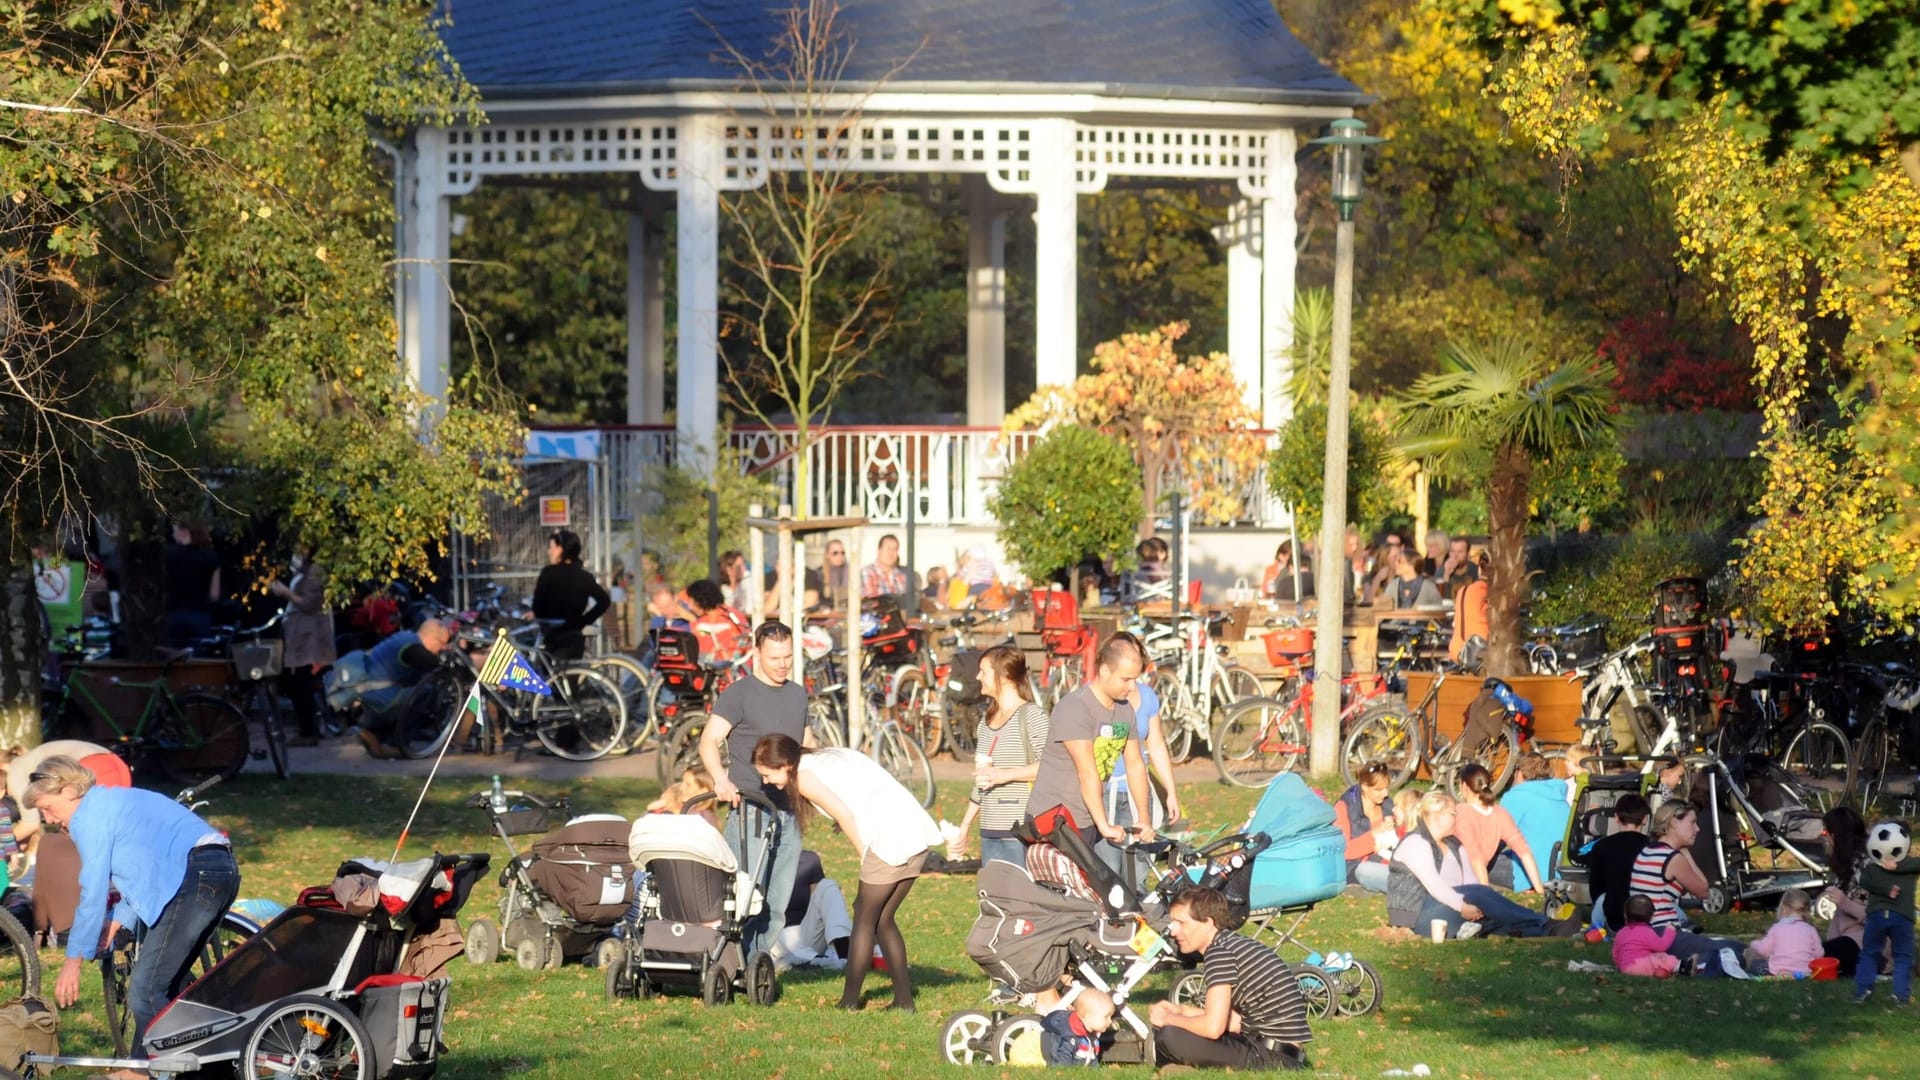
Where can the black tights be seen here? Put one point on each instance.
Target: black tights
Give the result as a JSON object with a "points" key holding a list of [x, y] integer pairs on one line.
{"points": [[873, 910]]}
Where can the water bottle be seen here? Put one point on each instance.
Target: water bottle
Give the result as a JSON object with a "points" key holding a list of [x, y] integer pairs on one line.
{"points": [[499, 797]]}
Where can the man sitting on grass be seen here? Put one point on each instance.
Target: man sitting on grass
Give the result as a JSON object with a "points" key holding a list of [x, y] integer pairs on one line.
{"points": [[1253, 1016]]}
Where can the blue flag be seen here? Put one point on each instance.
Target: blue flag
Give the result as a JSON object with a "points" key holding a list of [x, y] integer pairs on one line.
{"points": [[521, 676]]}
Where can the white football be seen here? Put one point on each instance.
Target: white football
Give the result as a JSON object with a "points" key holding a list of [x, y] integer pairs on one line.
{"points": [[1888, 840]]}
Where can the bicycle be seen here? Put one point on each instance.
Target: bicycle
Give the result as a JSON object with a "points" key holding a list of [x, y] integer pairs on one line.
{"points": [[581, 719], [1403, 739], [189, 737], [116, 963], [1891, 687], [1788, 723], [1194, 683], [256, 669]]}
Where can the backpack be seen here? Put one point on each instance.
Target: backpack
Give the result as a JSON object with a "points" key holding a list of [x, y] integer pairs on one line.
{"points": [[27, 1026]]}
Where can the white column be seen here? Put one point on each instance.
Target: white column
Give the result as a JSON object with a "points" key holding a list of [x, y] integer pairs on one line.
{"points": [[986, 306], [1245, 323], [646, 318], [1278, 234], [1056, 352], [425, 335], [698, 405]]}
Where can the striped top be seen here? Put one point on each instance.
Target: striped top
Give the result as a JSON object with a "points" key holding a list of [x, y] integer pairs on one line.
{"points": [[1265, 992], [1649, 879], [1005, 806]]}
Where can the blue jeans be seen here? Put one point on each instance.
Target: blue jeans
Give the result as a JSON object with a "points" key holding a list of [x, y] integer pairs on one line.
{"points": [[1008, 849], [1371, 875], [762, 930], [1500, 915], [168, 947], [1883, 926]]}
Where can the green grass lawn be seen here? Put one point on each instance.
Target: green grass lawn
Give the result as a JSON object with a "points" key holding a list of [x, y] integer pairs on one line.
{"points": [[1480, 1008]]}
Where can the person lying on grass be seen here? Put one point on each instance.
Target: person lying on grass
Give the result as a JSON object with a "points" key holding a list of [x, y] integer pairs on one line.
{"points": [[1253, 1015], [1431, 890]]}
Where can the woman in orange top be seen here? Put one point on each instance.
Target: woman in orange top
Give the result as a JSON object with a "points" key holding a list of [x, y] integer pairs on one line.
{"points": [[1485, 828], [1470, 618]]}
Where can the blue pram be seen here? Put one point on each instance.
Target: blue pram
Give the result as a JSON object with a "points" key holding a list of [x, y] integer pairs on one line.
{"points": [[1304, 864]]}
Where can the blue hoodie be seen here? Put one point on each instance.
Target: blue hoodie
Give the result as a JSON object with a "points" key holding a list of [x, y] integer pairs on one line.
{"points": [[1541, 810]]}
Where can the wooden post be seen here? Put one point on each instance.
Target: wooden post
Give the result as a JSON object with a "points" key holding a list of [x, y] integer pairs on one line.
{"points": [[756, 568], [856, 692]]}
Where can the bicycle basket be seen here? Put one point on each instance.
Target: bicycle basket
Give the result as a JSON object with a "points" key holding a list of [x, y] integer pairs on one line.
{"points": [[256, 660]]}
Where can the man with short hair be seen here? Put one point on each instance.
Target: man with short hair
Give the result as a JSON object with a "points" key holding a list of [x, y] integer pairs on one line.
{"points": [[884, 577], [397, 668], [1068, 775], [1609, 861], [1458, 571], [1253, 1015], [766, 703]]}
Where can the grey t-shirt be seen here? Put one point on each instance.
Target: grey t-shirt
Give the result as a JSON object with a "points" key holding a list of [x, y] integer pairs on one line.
{"points": [[757, 710], [1078, 717]]}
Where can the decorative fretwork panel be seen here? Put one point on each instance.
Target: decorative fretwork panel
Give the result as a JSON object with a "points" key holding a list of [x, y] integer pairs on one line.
{"points": [[646, 147]]}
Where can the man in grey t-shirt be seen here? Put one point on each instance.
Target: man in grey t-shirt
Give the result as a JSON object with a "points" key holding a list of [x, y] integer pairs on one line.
{"points": [[1068, 776], [767, 702]]}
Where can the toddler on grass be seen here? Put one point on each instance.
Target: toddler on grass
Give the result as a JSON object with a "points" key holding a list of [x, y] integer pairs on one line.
{"points": [[1791, 944], [1071, 1036], [1890, 888], [1639, 949]]}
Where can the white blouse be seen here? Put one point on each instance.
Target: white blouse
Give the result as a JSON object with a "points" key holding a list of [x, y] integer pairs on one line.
{"points": [[892, 823]]}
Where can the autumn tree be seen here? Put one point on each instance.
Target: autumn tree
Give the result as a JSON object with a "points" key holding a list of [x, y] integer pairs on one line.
{"points": [[1067, 498], [1185, 417]]}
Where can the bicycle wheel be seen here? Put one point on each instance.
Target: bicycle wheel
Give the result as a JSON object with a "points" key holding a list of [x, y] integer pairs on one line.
{"points": [[1173, 709], [116, 966], [1240, 683], [426, 725], [205, 738], [19, 959], [1384, 733], [1498, 753], [825, 723], [1258, 740], [1820, 760], [583, 718], [681, 750], [918, 710], [635, 684], [310, 1036], [273, 727], [904, 761]]}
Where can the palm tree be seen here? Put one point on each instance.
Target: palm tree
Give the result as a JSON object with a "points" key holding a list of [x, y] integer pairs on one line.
{"points": [[1491, 414]]}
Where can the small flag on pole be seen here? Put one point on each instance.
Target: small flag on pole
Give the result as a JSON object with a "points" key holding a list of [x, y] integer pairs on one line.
{"points": [[506, 667]]}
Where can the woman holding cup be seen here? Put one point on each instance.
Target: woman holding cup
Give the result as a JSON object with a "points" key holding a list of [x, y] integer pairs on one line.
{"points": [[1364, 812], [1431, 891], [1006, 757]]}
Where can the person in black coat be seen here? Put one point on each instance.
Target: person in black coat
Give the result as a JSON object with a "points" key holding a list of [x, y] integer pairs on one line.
{"points": [[566, 595]]}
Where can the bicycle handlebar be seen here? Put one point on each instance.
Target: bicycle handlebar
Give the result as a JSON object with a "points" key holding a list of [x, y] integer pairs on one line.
{"points": [[190, 795]]}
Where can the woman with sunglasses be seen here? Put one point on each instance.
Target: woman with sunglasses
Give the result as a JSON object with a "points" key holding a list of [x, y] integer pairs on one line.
{"points": [[175, 874], [1365, 813]]}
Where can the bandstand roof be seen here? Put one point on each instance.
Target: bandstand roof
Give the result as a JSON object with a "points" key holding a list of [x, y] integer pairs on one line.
{"points": [[1188, 50]]}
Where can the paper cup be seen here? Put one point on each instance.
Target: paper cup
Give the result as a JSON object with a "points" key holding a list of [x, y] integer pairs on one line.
{"points": [[1439, 930]]}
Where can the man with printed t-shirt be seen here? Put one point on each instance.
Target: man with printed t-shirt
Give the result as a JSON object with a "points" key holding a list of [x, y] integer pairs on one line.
{"points": [[1068, 775]]}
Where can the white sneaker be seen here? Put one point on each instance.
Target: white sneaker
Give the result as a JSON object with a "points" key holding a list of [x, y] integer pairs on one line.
{"points": [[1467, 930], [1730, 964]]}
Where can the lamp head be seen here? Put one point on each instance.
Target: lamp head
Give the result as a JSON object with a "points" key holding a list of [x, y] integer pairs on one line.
{"points": [[1349, 141]]}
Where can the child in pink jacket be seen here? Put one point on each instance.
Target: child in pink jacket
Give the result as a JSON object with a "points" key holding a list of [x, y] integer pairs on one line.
{"points": [[1639, 949], [1791, 944]]}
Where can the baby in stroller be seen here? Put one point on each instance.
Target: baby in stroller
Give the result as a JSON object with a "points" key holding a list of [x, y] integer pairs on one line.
{"points": [[685, 927]]}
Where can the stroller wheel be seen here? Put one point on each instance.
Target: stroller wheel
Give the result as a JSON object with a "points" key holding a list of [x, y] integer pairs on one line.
{"points": [[1717, 901], [716, 986], [309, 1036], [531, 953], [1357, 990], [1317, 986], [483, 941], [763, 979], [613, 959], [963, 1038], [1008, 1044], [556, 955], [1190, 989]]}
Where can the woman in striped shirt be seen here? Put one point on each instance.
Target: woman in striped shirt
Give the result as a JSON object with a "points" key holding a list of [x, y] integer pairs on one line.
{"points": [[1006, 756], [1665, 873]]}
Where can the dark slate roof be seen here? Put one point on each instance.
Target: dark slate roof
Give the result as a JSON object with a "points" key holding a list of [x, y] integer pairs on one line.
{"points": [[1206, 49]]}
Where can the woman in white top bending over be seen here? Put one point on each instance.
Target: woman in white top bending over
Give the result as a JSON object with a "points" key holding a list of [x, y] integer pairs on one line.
{"points": [[889, 829]]}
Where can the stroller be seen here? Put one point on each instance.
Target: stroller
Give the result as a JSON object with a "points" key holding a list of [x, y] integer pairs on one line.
{"points": [[1303, 864], [684, 927], [1762, 837], [564, 896], [317, 991], [1594, 797]]}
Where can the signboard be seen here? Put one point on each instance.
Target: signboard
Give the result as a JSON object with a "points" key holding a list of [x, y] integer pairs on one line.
{"points": [[556, 511]]}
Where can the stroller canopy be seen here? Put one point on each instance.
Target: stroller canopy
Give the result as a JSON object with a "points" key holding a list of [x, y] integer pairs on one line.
{"points": [[1287, 808], [679, 836]]}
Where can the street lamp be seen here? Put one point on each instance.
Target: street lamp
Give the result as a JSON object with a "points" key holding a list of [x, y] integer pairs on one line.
{"points": [[1349, 141]]}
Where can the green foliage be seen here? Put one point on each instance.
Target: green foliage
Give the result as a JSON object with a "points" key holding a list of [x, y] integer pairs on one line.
{"points": [[1296, 469], [1461, 515], [1505, 395], [1615, 577], [1312, 350], [1075, 493], [1580, 490], [673, 516]]}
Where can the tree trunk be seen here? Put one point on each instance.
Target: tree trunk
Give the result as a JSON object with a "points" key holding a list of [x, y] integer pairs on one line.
{"points": [[1150, 495], [22, 652], [1507, 486]]}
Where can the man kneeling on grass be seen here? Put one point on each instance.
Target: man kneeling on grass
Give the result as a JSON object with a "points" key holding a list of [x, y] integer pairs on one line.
{"points": [[1253, 1016]]}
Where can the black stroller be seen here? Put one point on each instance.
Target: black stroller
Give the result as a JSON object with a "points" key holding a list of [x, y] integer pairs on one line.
{"points": [[317, 992]]}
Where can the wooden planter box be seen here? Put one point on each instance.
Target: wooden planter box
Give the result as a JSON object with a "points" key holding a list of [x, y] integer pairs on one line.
{"points": [[105, 681], [1556, 703]]}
